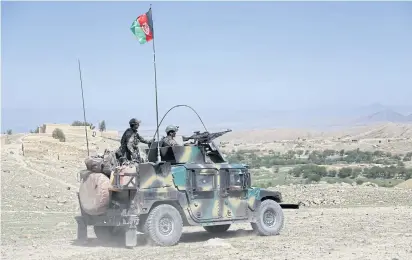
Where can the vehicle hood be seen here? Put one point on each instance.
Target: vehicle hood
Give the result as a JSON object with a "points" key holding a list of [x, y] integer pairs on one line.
{"points": [[260, 193]]}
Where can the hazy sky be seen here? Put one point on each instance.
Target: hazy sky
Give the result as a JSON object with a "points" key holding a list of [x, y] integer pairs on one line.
{"points": [[230, 56]]}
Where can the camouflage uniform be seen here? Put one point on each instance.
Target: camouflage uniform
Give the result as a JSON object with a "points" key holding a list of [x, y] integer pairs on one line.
{"points": [[169, 139], [133, 146], [129, 144]]}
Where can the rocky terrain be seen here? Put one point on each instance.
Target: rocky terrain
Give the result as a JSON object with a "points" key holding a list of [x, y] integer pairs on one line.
{"points": [[339, 221]]}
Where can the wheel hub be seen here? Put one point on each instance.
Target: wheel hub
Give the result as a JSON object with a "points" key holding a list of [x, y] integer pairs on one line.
{"points": [[269, 218], [166, 225]]}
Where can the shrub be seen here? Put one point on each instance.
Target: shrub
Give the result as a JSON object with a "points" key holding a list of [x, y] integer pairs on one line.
{"points": [[58, 134], [345, 172], [359, 181], [9, 132], [314, 177]]}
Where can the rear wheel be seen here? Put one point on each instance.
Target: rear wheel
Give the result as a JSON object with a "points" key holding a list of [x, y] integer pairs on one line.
{"points": [[269, 218], [164, 225], [217, 229]]}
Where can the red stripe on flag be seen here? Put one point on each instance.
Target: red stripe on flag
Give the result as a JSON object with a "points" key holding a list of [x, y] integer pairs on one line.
{"points": [[144, 24]]}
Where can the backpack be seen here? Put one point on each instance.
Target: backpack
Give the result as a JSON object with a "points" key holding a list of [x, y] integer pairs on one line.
{"points": [[109, 162], [94, 163]]}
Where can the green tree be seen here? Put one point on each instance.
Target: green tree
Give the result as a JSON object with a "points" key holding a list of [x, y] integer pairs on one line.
{"points": [[328, 152], [373, 172], [80, 123], [345, 172], [102, 126], [408, 174], [332, 173]]}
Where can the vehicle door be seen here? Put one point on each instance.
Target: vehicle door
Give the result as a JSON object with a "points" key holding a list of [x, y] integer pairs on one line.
{"points": [[234, 194], [203, 194]]}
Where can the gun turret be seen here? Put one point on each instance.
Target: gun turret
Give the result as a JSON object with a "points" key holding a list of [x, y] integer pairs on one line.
{"points": [[204, 137]]}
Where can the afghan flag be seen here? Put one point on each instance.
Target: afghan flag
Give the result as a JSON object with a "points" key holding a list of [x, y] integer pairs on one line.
{"points": [[142, 27]]}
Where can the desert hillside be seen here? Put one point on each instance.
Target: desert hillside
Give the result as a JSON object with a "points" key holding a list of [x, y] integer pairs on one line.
{"points": [[336, 221], [391, 137]]}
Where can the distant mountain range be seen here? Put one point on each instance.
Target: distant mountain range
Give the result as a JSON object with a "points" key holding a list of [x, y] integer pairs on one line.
{"points": [[386, 115], [320, 117]]}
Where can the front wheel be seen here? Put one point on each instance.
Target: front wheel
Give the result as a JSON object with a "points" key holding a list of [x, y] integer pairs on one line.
{"points": [[164, 225], [269, 219], [217, 229]]}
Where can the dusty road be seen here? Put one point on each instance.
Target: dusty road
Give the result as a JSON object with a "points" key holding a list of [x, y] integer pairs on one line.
{"points": [[340, 222], [333, 233]]}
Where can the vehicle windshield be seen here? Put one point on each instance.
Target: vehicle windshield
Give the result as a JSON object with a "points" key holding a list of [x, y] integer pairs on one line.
{"points": [[237, 178]]}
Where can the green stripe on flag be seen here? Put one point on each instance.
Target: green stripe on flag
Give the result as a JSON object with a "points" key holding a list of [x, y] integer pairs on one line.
{"points": [[138, 32]]}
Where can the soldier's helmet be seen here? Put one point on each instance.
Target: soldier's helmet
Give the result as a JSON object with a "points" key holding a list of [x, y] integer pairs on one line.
{"points": [[134, 121], [171, 128]]}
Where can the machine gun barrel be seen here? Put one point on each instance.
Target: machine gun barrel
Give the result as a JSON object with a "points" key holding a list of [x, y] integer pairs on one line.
{"points": [[204, 137]]}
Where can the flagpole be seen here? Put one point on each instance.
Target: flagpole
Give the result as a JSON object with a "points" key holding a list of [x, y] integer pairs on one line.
{"points": [[84, 110], [155, 79]]}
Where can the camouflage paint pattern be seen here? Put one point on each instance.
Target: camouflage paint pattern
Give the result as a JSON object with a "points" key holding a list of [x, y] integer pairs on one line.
{"points": [[212, 201], [188, 154], [155, 176], [201, 190], [177, 154]]}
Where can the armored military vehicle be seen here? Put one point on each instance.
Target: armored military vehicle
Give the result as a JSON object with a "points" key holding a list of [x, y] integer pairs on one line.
{"points": [[192, 185]]}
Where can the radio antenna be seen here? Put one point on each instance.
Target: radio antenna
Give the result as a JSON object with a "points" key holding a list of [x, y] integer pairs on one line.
{"points": [[84, 110]]}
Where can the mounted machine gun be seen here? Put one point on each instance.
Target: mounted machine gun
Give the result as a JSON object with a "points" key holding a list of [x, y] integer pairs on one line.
{"points": [[205, 137]]}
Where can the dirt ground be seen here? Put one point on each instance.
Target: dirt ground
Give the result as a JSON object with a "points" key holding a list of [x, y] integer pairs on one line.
{"points": [[334, 233], [339, 221]]}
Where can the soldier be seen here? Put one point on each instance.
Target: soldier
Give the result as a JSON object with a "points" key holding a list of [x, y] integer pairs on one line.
{"points": [[130, 140], [171, 133]]}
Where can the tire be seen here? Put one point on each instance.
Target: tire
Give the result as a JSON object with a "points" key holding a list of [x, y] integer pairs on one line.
{"points": [[164, 225], [269, 218], [217, 229], [94, 194]]}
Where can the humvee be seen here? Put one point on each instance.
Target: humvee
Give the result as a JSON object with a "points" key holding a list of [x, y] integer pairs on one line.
{"points": [[192, 185]]}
